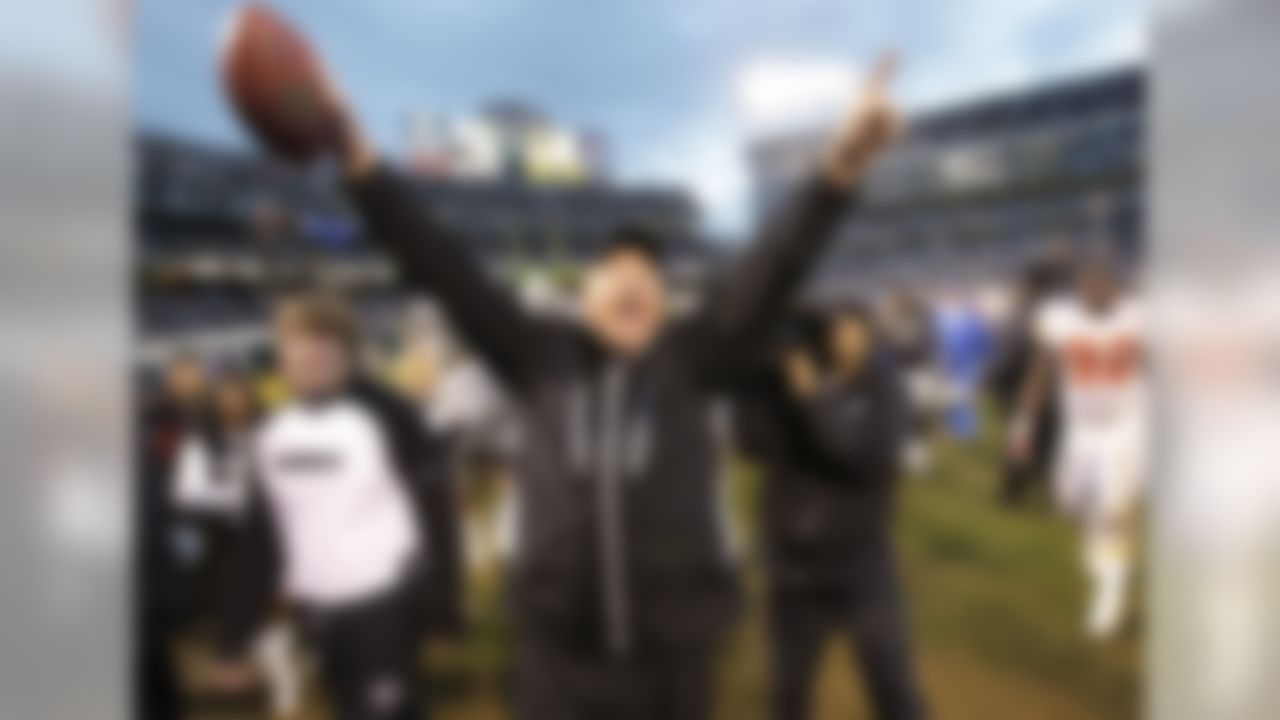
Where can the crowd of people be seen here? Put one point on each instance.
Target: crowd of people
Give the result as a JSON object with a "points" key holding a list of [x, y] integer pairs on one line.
{"points": [[847, 399], [316, 504]]}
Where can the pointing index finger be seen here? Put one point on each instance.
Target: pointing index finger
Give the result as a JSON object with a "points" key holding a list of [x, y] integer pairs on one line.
{"points": [[885, 68]]}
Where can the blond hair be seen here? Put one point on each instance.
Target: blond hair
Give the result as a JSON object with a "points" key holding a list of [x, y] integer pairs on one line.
{"points": [[321, 315]]}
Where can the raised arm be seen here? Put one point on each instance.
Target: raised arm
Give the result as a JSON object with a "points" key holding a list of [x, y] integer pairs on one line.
{"points": [[321, 125], [433, 260], [754, 299]]}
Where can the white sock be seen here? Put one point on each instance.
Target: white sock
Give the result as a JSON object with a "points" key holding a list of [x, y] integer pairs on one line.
{"points": [[1108, 568], [275, 650]]}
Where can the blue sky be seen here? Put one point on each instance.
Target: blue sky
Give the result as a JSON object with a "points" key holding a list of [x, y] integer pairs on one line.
{"points": [[662, 79]]}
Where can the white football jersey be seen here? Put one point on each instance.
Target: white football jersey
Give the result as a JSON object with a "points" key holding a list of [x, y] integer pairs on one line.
{"points": [[1101, 378], [342, 510]]}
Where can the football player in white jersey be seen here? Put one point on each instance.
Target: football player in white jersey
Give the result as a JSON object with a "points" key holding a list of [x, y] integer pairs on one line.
{"points": [[1092, 342]]}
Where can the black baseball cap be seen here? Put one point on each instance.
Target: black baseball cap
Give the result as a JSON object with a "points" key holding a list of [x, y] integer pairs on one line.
{"points": [[635, 239]]}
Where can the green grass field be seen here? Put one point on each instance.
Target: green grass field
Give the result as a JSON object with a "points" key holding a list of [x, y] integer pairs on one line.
{"points": [[995, 598]]}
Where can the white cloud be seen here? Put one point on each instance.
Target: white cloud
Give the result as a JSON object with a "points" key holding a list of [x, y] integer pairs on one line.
{"points": [[1122, 39], [989, 46], [776, 94], [992, 46], [1001, 45], [77, 43], [771, 94], [708, 159]]}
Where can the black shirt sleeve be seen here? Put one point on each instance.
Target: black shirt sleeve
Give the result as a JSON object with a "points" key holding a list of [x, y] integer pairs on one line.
{"points": [[432, 259], [422, 463], [758, 429], [744, 312], [858, 434], [254, 578]]}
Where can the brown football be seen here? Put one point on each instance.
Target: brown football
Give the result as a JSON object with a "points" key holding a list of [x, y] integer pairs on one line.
{"points": [[276, 84]]}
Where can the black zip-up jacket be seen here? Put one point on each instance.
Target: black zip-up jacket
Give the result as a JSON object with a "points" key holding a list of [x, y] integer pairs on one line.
{"points": [[830, 463], [620, 542]]}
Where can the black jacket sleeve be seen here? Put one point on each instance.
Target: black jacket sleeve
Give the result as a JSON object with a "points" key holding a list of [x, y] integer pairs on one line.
{"points": [[435, 504], [432, 259], [254, 579], [758, 432], [421, 459], [860, 435], [1005, 374], [747, 309]]}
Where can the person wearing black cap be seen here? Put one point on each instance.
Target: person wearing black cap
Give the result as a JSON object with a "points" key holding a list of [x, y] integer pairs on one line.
{"points": [[621, 579], [825, 421]]}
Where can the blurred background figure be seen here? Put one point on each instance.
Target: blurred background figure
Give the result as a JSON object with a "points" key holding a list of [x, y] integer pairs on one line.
{"points": [[463, 403], [1095, 338], [221, 484], [211, 477], [908, 332], [826, 420], [176, 409], [472, 411], [964, 344], [1040, 281], [270, 227]]}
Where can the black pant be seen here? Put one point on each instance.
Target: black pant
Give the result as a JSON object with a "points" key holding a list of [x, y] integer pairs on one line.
{"points": [[368, 655], [862, 600], [557, 683], [1017, 478], [157, 689]]}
